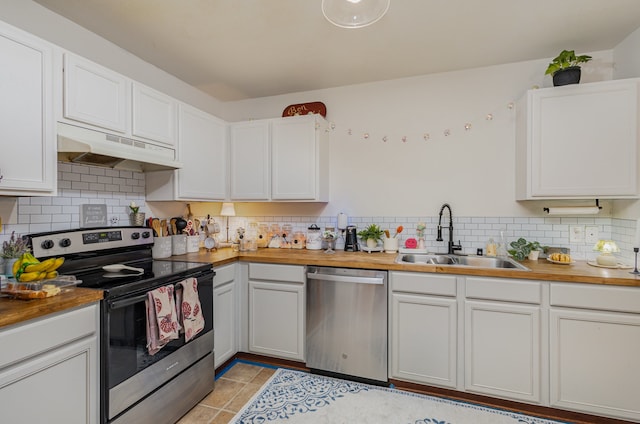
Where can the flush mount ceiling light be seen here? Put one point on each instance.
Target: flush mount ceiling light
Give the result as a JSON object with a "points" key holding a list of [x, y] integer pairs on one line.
{"points": [[354, 13]]}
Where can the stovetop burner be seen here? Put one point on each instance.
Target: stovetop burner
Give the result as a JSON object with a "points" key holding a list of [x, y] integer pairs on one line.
{"points": [[86, 251]]}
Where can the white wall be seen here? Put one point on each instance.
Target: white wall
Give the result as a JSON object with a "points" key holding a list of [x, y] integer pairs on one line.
{"points": [[473, 169]]}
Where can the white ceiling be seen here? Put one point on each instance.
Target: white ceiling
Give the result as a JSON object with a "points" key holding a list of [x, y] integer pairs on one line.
{"points": [[238, 49]]}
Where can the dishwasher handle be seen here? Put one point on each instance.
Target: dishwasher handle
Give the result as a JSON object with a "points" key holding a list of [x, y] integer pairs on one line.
{"points": [[345, 278]]}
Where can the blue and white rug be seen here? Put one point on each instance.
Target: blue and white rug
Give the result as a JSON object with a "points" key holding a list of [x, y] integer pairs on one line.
{"points": [[297, 397]]}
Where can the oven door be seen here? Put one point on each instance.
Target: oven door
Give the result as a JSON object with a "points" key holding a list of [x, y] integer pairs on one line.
{"points": [[130, 372]]}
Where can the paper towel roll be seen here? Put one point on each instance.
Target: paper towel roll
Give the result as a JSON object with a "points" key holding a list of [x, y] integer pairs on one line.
{"points": [[577, 210], [342, 221]]}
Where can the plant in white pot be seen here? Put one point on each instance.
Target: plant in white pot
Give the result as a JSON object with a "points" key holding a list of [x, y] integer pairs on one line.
{"points": [[371, 235], [521, 249], [565, 67]]}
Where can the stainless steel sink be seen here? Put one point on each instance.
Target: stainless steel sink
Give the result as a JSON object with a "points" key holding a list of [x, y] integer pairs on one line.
{"points": [[460, 260]]}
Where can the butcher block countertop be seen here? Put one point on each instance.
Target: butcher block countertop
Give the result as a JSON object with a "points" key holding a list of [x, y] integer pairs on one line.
{"points": [[13, 311], [578, 272]]}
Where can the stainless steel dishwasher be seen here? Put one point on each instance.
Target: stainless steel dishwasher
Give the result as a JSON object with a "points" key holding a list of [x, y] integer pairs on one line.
{"points": [[347, 322]]}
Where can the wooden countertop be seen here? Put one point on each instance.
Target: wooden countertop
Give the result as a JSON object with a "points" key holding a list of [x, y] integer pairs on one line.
{"points": [[579, 272], [13, 311]]}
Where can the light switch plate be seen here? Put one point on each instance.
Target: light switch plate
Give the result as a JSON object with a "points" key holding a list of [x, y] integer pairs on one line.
{"points": [[592, 235], [576, 234]]}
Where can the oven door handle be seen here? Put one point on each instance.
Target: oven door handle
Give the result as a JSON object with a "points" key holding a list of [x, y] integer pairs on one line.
{"points": [[117, 304]]}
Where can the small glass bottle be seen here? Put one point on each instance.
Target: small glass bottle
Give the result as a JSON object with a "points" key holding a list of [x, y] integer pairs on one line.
{"points": [[492, 248]]}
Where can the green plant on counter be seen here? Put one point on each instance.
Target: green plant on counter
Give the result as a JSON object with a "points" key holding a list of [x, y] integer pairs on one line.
{"points": [[521, 248], [566, 59], [373, 231]]}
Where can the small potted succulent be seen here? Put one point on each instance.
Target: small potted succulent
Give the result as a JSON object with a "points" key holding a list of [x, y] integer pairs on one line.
{"points": [[136, 217], [371, 235], [565, 67], [522, 249]]}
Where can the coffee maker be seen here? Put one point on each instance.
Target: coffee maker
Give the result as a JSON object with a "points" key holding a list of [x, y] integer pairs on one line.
{"points": [[351, 241]]}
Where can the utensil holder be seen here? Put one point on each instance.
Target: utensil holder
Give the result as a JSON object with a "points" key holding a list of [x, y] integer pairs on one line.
{"points": [[161, 247], [179, 244], [193, 244], [390, 244]]}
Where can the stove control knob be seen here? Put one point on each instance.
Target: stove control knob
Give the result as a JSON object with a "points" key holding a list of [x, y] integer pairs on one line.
{"points": [[146, 234], [47, 244], [65, 242], [135, 235]]}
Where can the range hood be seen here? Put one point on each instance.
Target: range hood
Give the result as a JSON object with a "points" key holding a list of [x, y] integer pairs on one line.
{"points": [[81, 145]]}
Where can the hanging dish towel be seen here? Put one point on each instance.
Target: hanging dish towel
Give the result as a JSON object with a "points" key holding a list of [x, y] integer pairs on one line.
{"points": [[162, 318], [189, 308]]}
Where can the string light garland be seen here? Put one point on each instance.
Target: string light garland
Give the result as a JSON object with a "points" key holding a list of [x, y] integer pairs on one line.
{"points": [[468, 126]]}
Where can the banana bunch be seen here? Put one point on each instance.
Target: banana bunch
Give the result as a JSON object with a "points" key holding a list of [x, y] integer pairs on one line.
{"points": [[29, 268]]}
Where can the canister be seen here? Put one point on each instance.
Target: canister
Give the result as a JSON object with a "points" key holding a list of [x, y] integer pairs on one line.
{"points": [[314, 237]]}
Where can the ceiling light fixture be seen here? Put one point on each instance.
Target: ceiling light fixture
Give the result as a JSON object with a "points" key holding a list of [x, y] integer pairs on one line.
{"points": [[354, 13]]}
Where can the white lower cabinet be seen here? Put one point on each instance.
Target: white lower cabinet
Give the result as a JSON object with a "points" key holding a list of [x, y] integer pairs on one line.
{"points": [[277, 310], [423, 328], [502, 328], [50, 373], [595, 347], [225, 312]]}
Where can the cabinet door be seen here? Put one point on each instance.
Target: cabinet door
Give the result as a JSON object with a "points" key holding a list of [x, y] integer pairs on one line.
{"points": [[276, 319], [502, 350], [594, 362], [203, 151], [154, 115], [28, 158], [250, 163], [424, 339], [294, 158], [225, 310], [95, 95], [58, 387], [582, 141]]}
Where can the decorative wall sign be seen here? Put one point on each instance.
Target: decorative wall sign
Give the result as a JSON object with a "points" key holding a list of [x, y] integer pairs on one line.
{"points": [[93, 215], [305, 109]]}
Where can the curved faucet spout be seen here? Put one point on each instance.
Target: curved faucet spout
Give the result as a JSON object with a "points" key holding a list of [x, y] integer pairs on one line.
{"points": [[451, 247]]}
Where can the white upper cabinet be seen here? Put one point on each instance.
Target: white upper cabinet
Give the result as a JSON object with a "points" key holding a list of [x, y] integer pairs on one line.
{"points": [[249, 160], [95, 95], [155, 115], [202, 149], [27, 132], [578, 142], [281, 159], [300, 159], [99, 98]]}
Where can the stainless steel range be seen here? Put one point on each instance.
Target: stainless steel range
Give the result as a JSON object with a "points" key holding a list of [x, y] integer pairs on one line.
{"points": [[136, 386]]}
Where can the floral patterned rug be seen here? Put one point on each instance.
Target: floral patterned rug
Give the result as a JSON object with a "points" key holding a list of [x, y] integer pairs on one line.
{"points": [[297, 397]]}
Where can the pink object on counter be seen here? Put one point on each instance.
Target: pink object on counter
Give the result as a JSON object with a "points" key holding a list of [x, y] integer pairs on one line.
{"points": [[411, 243]]}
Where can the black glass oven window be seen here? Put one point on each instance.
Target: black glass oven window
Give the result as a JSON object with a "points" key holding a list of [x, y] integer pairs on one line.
{"points": [[127, 351]]}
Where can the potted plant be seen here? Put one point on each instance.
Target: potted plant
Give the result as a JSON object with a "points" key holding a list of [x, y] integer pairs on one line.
{"points": [[522, 249], [371, 235], [12, 249], [565, 68]]}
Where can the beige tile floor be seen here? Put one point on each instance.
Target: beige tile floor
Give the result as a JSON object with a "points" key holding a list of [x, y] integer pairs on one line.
{"points": [[232, 390]]}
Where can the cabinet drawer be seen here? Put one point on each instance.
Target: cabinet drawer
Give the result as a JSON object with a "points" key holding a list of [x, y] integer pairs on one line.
{"points": [[609, 298], [411, 282], [509, 290], [44, 334], [292, 273], [224, 274]]}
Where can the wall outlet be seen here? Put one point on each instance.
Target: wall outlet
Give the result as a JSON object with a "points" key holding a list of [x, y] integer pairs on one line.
{"points": [[592, 235], [576, 234]]}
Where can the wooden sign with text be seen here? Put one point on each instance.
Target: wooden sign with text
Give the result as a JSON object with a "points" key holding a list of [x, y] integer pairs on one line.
{"points": [[305, 109]]}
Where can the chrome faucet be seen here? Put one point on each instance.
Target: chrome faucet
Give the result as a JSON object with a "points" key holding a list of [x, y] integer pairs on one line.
{"points": [[451, 248]]}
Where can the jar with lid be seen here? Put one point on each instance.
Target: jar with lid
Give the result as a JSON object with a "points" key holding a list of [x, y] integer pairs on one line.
{"points": [[263, 235], [314, 237]]}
